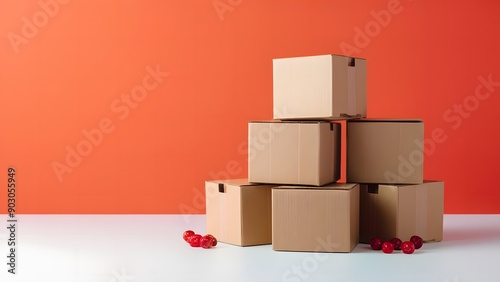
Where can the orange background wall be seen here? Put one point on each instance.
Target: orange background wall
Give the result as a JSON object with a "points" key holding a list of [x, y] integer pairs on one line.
{"points": [[68, 67]]}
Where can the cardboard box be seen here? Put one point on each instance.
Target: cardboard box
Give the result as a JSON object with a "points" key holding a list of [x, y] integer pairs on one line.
{"points": [[319, 87], [239, 213], [302, 153], [316, 219], [385, 151], [388, 211]]}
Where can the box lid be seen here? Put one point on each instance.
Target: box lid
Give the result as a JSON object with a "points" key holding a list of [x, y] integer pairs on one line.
{"points": [[333, 186], [405, 185], [409, 120], [319, 55], [290, 121], [234, 182]]}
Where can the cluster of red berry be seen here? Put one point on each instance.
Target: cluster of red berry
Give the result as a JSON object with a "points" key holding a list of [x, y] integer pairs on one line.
{"points": [[408, 247], [196, 240]]}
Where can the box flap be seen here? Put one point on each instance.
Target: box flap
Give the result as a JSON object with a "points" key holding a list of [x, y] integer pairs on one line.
{"points": [[320, 55], [404, 185], [289, 121], [334, 186], [409, 120], [234, 182]]}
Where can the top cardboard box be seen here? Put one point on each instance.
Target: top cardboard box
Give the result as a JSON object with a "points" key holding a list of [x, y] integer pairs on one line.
{"points": [[319, 87], [385, 151]]}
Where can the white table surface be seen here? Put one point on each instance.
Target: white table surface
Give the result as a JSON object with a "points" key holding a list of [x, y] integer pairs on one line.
{"points": [[146, 248]]}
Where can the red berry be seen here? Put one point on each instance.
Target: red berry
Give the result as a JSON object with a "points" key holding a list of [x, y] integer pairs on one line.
{"points": [[376, 243], [408, 247], [387, 247], [396, 242], [214, 241], [206, 242], [187, 234], [195, 240], [417, 241]]}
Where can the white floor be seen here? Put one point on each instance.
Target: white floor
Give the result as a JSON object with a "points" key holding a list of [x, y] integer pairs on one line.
{"points": [[147, 248]]}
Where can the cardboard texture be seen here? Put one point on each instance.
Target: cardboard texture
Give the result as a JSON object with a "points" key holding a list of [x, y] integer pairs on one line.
{"points": [[302, 153], [385, 151], [239, 213], [316, 219], [319, 87], [388, 211]]}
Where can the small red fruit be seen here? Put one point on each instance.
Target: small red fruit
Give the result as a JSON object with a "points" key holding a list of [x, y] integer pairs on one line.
{"points": [[387, 247], [187, 234], [214, 240], [408, 247], [396, 242], [376, 243], [195, 240], [417, 241], [206, 242]]}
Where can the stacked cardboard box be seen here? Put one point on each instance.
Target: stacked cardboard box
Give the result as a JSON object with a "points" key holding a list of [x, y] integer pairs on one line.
{"points": [[238, 212], [290, 198], [319, 87], [306, 153], [316, 219]]}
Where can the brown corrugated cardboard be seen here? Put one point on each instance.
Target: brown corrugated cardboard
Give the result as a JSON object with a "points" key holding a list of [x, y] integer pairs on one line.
{"points": [[316, 219], [319, 87], [385, 151], [302, 153], [238, 213], [389, 211]]}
